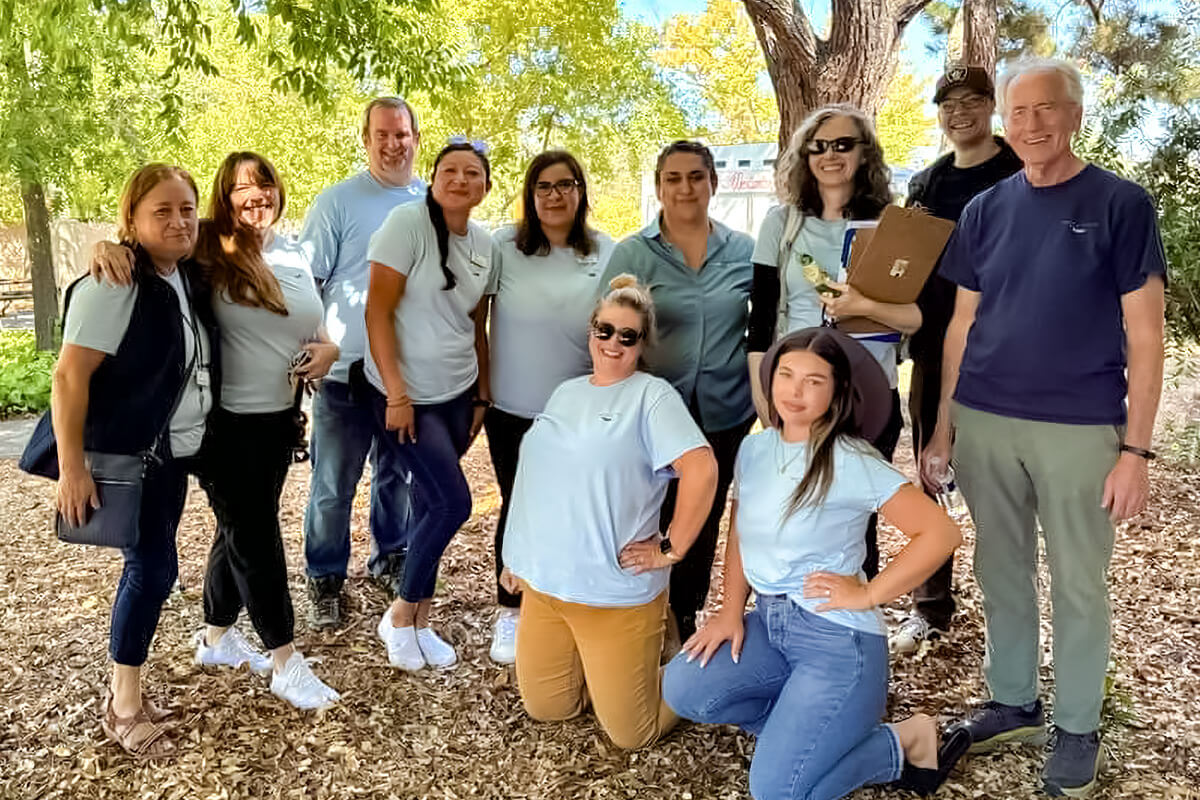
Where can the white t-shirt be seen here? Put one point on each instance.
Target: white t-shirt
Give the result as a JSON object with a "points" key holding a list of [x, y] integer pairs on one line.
{"points": [[98, 318], [538, 329], [591, 478], [821, 241], [778, 553], [257, 344], [434, 329]]}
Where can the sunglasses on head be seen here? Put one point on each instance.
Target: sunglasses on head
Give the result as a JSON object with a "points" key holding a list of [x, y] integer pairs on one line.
{"points": [[626, 337], [842, 144]]}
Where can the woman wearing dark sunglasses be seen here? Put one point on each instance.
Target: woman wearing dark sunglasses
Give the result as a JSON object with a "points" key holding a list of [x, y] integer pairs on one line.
{"points": [[831, 173], [582, 541], [545, 278]]}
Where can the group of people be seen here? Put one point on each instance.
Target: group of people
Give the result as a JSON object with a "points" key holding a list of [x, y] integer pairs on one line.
{"points": [[618, 385]]}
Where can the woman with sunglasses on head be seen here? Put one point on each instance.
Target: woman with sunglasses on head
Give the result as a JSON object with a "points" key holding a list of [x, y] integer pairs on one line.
{"points": [[700, 276], [582, 543], [545, 277], [427, 339], [831, 172], [807, 670], [269, 316]]}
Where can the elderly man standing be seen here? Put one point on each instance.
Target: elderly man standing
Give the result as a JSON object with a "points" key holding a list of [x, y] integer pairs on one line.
{"points": [[338, 228], [1058, 319]]}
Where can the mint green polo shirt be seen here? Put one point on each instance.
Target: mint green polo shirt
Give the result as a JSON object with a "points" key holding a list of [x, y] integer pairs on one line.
{"points": [[702, 318]]}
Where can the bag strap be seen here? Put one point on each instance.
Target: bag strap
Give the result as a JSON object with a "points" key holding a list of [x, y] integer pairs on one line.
{"points": [[156, 449], [791, 230]]}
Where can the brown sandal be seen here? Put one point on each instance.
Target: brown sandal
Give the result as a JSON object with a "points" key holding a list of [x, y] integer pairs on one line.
{"points": [[137, 735], [155, 713]]}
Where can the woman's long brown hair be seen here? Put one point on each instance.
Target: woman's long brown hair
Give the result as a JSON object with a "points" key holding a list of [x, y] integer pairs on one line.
{"points": [[229, 253], [836, 422]]}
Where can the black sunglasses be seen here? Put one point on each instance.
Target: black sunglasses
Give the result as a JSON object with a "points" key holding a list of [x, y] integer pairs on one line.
{"points": [[604, 331], [842, 144]]}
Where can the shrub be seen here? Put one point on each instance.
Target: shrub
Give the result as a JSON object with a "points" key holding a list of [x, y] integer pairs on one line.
{"points": [[24, 374]]}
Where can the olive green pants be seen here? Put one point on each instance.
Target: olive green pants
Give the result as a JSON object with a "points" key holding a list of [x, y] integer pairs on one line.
{"points": [[1016, 474]]}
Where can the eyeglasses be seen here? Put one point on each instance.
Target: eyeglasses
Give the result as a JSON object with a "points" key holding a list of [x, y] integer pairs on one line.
{"points": [[478, 145], [842, 144], [563, 187], [970, 103], [626, 337]]}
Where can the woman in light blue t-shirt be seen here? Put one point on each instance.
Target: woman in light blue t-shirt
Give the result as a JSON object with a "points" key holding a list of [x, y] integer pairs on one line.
{"points": [[428, 375], [545, 278], [806, 670], [583, 535]]}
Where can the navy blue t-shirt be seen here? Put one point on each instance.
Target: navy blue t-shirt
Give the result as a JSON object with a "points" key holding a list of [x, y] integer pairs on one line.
{"points": [[1051, 264]]}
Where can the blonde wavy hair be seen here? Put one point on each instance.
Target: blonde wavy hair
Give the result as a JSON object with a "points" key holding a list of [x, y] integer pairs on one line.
{"points": [[796, 185]]}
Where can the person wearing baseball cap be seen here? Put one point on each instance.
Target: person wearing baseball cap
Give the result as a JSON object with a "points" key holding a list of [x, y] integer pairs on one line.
{"points": [[806, 670], [977, 160]]}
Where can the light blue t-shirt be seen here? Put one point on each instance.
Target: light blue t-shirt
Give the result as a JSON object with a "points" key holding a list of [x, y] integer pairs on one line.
{"points": [[822, 241], [338, 228], [435, 331], [542, 305], [778, 553], [591, 478], [257, 344]]}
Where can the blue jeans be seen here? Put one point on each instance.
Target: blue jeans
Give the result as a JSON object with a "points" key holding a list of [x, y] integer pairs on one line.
{"points": [[151, 566], [811, 690], [342, 438], [442, 498]]}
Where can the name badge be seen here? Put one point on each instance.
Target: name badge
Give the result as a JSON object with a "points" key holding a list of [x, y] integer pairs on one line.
{"points": [[590, 264], [481, 262], [202, 377]]}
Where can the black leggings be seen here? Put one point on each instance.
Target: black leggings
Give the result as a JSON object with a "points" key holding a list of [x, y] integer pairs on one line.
{"points": [[504, 433], [246, 458]]}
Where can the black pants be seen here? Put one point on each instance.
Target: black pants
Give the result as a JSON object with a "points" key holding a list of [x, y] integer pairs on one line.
{"points": [[504, 432], [885, 444], [246, 458], [690, 577], [933, 599]]}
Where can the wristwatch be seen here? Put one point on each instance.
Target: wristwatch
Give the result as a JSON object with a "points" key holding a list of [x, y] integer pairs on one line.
{"points": [[1149, 455], [664, 547]]}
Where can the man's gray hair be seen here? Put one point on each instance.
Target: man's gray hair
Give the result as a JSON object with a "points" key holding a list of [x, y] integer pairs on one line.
{"points": [[395, 103], [1028, 65]]}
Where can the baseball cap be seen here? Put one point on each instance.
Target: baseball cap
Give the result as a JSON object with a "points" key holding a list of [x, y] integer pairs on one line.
{"points": [[959, 77]]}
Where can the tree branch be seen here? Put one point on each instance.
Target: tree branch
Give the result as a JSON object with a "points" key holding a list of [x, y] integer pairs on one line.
{"points": [[783, 21]]}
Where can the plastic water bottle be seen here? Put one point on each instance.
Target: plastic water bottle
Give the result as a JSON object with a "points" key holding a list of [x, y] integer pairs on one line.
{"points": [[948, 496]]}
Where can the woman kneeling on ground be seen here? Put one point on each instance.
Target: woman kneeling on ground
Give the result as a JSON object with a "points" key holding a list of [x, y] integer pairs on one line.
{"points": [[806, 670], [582, 541]]}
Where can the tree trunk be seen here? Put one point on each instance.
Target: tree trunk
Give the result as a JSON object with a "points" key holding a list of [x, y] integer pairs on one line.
{"points": [[979, 30], [854, 65], [41, 264]]}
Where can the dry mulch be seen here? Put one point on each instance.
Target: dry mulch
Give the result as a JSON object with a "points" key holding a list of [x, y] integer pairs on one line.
{"points": [[462, 733]]}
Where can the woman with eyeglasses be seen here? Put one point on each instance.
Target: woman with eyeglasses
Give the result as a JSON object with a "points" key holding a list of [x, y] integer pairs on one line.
{"points": [[545, 278], [701, 277], [428, 367], [582, 542], [831, 173]]}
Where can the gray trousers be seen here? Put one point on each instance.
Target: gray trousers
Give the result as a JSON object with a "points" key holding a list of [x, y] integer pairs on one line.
{"points": [[1015, 474]]}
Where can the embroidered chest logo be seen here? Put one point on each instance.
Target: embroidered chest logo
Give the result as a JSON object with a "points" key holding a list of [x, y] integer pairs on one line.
{"points": [[1080, 228]]}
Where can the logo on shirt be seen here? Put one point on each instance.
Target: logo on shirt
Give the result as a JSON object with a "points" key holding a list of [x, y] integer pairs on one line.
{"points": [[1080, 228]]}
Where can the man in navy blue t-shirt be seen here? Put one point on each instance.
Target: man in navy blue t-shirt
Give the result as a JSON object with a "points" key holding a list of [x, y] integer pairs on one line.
{"points": [[1058, 320]]}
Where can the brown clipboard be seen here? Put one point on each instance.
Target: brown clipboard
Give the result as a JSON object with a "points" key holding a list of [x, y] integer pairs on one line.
{"points": [[891, 262]]}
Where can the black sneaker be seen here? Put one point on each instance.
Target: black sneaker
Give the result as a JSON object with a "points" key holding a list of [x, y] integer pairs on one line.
{"points": [[1075, 761], [993, 724], [389, 575], [325, 602]]}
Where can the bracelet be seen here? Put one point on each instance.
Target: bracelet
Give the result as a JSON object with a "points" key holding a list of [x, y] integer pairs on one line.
{"points": [[479, 402], [400, 402], [1149, 455]]}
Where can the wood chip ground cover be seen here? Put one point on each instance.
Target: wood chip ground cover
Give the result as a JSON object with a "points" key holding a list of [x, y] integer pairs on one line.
{"points": [[462, 733]]}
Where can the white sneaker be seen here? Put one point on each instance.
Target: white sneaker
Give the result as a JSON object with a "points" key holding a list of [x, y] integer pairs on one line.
{"points": [[402, 648], [504, 636], [437, 651], [299, 686], [231, 650], [911, 633]]}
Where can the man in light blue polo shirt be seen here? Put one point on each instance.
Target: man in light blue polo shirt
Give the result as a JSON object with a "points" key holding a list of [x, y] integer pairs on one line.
{"points": [[338, 227]]}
